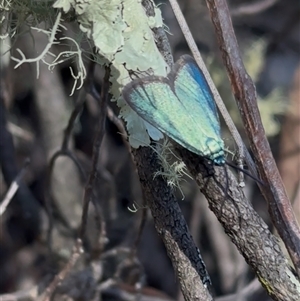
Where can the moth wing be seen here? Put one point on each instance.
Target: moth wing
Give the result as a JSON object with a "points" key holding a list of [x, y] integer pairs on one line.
{"points": [[195, 96], [154, 100]]}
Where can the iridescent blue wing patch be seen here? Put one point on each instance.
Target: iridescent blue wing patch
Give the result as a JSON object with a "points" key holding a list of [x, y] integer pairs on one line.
{"points": [[181, 106]]}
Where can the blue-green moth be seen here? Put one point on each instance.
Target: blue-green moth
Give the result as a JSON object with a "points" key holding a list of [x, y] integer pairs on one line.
{"points": [[182, 106]]}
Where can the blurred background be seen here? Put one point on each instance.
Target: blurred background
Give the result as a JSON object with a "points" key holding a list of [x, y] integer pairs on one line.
{"points": [[34, 114]]}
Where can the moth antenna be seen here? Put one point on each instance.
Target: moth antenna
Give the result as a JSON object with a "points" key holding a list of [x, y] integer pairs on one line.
{"points": [[246, 173]]}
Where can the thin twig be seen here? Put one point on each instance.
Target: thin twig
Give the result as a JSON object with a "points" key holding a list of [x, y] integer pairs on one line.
{"points": [[13, 188]]}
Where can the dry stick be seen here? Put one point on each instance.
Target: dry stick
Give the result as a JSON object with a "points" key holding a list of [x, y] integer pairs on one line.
{"points": [[243, 152], [13, 188], [274, 192], [24, 199]]}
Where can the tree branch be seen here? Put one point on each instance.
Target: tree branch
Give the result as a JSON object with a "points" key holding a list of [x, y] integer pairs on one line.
{"points": [[243, 88], [171, 226], [245, 228]]}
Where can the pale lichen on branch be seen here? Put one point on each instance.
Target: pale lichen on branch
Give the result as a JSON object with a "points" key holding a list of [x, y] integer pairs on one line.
{"points": [[172, 172], [122, 34], [60, 58]]}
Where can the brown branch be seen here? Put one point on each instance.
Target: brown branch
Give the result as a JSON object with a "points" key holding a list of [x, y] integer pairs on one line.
{"points": [[245, 228], [244, 91]]}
